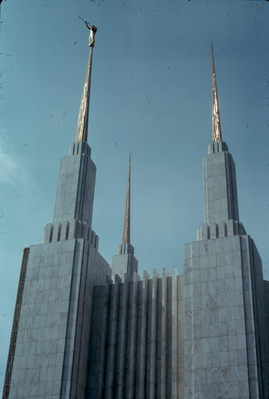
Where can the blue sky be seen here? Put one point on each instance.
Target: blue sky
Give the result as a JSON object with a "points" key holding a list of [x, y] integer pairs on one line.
{"points": [[151, 96]]}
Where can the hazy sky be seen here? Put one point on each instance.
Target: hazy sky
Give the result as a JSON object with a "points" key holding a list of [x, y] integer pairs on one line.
{"points": [[151, 94]]}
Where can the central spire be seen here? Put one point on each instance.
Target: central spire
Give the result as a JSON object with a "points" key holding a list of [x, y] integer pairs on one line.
{"points": [[125, 264], [127, 214], [83, 117], [216, 126]]}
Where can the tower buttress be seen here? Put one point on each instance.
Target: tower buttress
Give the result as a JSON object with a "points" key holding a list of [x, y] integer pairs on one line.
{"points": [[53, 310], [75, 192], [224, 288]]}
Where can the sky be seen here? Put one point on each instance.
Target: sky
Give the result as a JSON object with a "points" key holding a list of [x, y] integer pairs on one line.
{"points": [[151, 95]]}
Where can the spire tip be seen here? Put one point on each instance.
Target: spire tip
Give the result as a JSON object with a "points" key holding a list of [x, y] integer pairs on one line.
{"points": [[127, 213], [216, 126]]}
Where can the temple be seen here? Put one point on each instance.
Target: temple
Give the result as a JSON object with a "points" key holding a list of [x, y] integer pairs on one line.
{"points": [[83, 329]]}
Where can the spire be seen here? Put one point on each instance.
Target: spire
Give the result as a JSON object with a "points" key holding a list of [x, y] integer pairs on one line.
{"points": [[127, 215], [83, 117], [216, 126], [125, 264]]}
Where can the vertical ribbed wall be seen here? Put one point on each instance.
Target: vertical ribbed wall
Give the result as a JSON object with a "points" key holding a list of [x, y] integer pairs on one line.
{"points": [[141, 338], [16, 319]]}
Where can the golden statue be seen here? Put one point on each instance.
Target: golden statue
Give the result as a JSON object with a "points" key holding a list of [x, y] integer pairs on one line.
{"points": [[93, 30]]}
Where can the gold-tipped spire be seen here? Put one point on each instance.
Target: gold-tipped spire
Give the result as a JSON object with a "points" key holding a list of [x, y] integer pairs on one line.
{"points": [[83, 117], [127, 213], [216, 126]]}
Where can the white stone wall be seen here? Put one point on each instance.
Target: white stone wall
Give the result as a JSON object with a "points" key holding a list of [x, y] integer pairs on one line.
{"points": [[220, 192], [134, 347], [75, 191], [38, 362], [51, 354], [124, 266], [220, 328]]}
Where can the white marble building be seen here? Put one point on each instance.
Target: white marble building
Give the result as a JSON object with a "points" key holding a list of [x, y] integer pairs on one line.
{"points": [[83, 329]]}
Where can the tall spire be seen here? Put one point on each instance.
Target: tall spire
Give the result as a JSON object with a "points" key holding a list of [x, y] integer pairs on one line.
{"points": [[125, 264], [216, 126], [83, 117], [127, 214]]}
